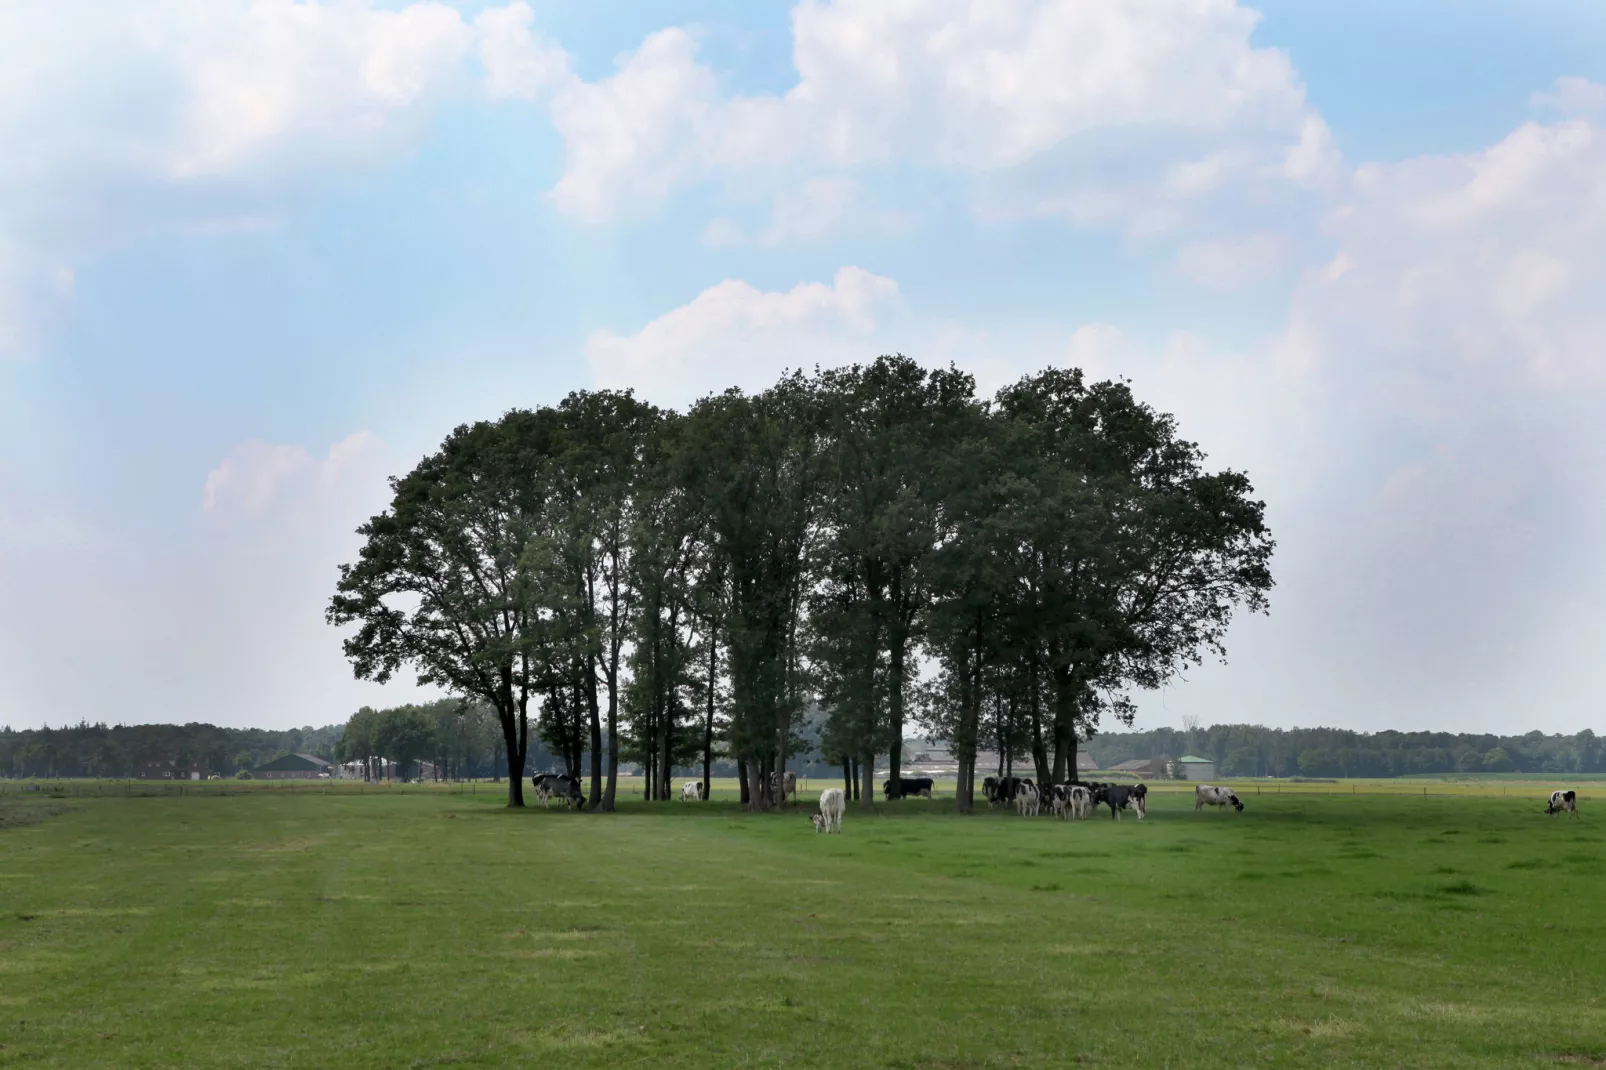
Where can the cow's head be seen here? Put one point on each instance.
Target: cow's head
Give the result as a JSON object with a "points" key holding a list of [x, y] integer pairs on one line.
{"points": [[819, 822], [1236, 805]]}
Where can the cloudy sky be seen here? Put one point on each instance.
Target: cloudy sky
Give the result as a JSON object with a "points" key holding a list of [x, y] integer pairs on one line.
{"points": [[257, 255]]}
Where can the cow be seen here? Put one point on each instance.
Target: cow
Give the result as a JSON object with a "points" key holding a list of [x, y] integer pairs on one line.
{"points": [[989, 789], [909, 785], [783, 784], [1204, 795], [832, 804], [1004, 789], [1028, 801], [1118, 797], [692, 789], [550, 785], [1080, 802], [1058, 797], [1563, 800]]}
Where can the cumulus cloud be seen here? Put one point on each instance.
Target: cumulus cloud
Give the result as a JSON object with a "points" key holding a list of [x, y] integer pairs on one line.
{"points": [[733, 334], [223, 621], [1232, 263], [119, 119], [1093, 110], [519, 64]]}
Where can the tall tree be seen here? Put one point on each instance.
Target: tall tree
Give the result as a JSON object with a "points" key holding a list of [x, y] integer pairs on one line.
{"points": [[754, 463], [438, 583], [887, 424]]}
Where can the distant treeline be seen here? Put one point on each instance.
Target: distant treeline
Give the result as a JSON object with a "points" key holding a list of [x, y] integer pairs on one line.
{"points": [[96, 750], [1253, 750]]}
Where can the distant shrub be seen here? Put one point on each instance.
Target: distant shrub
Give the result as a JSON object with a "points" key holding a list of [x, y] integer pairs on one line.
{"points": [[244, 774]]}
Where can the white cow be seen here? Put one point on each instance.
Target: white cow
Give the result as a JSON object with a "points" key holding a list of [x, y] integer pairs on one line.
{"points": [[692, 789], [832, 805], [1204, 795], [1563, 800]]}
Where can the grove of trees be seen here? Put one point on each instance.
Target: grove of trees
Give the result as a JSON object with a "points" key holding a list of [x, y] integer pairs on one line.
{"points": [[631, 582]]}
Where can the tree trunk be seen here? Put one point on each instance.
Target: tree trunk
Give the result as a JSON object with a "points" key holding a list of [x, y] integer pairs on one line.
{"points": [[613, 735], [708, 725], [867, 782], [847, 776], [1039, 750], [515, 761], [895, 704], [757, 796], [741, 775], [596, 731]]}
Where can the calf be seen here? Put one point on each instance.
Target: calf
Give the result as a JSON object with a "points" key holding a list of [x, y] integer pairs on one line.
{"points": [[1118, 797], [692, 789], [1204, 795], [832, 804], [783, 784], [1563, 800], [910, 785]]}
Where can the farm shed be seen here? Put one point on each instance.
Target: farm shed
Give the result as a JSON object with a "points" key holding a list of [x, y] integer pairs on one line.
{"points": [[1193, 767], [167, 769], [292, 767]]}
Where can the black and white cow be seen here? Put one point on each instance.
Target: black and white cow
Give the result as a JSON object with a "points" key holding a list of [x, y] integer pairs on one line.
{"points": [[1004, 789], [1078, 802], [910, 785], [783, 784], [1028, 800], [1563, 800], [549, 786], [691, 790], [1204, 795], [1118, 797]]}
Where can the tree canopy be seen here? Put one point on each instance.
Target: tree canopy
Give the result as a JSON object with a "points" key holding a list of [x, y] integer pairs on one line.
{"points": [[653, 584]]}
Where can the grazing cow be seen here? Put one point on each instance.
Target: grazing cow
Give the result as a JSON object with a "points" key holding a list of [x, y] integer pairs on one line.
{"points": [[832, 804], [1118, 797], [692, 789], [910, 785], [783, 784], [549, 786], [1204, 795], [1563, 800]]}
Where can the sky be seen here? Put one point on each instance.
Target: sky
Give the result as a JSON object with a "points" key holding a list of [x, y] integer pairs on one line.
{"points": [[256, 256]]}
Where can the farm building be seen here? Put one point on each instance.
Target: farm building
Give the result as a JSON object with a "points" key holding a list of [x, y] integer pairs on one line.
{"points": [[1193, 767], [167, 769], [293, 767], [1141, 767]]}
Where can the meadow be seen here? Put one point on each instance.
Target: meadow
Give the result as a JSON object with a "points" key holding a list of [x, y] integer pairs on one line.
{"points": [[1329, 925]]}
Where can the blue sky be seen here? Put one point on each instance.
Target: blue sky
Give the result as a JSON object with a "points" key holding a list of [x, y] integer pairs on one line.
{"points": [[256, 256]]}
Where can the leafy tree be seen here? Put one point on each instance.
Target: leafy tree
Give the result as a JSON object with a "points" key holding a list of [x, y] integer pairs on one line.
{"points": [[439, 583]]}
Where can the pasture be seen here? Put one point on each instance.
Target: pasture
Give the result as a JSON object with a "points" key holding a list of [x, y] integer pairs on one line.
{"points": [[1323, 927]]}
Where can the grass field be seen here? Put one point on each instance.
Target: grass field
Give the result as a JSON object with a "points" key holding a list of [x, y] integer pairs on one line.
{"points": [[431, 927]]}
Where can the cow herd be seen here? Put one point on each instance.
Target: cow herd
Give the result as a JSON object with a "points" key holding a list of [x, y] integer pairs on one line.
{"points": [[1064, 801]]}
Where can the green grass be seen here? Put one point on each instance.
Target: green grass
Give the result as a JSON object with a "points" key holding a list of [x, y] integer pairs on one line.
{"points": [[433, 928]]}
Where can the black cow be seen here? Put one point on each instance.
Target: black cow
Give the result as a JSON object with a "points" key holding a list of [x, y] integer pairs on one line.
{"points": [[1118, 797], [909, 785]]}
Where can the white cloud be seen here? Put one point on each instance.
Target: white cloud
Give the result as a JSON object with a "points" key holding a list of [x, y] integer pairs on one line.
{"points": [[120, 119], [222, 621], [1083, 103], [518, 63], [1232, 263], [733, 334], [1574, 97]]}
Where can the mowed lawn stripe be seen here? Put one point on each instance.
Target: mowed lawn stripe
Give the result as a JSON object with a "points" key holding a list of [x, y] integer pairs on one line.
{"points": [[443, 930]]}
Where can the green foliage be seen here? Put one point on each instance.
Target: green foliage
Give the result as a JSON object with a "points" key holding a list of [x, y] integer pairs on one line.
{"points": [[96, 750], [244, 774]]}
